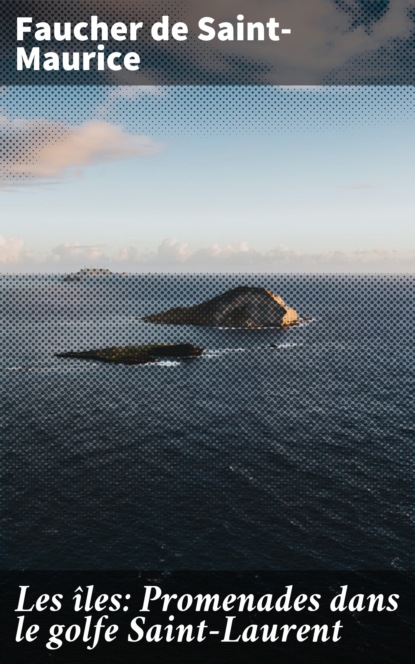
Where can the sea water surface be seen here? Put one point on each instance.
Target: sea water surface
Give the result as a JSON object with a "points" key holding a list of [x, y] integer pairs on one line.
{"points": [[277, 449]]}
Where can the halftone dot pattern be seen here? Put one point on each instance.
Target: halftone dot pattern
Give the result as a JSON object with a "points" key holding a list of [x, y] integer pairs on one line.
{"points": [[380, 50], [276, 448], [21, 142], [280, 448], [165, 112]]}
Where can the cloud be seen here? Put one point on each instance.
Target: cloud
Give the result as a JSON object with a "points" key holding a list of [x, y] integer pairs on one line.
{"points": [[45, 149], [77, 254], [13, 251], [172, 250], [173, 255], [326, 36]]}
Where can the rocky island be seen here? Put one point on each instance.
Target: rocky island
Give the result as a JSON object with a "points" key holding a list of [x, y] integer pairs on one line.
{"points": [[136, 354], [92, 273], [241, 307]]}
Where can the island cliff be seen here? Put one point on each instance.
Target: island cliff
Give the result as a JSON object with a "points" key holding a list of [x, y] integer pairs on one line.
{"points": [[243, 307]]}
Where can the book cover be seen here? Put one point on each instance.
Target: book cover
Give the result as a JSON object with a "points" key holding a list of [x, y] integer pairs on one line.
{"points": [[207, 297]]}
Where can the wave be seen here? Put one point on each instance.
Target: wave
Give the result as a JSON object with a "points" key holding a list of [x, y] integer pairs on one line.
{"points": [[165, 363], [217, 352]]}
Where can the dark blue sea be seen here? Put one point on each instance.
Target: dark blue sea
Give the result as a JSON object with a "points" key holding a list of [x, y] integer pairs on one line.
{"points": [[277, 449]]}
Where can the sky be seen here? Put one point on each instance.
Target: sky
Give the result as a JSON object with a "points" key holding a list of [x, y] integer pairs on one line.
{"points": [[216, 179]]}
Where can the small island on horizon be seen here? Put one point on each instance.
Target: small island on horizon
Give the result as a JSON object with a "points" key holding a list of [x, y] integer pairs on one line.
{"points": [[92, 272]]}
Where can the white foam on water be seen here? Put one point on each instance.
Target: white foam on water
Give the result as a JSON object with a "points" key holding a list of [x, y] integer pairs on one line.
{"points": [[166, 363], [287, 345], [217, 352]]}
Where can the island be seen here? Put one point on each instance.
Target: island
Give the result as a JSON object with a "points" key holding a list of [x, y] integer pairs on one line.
{"points": [[94, 273], [135, 354], [240, 307]]}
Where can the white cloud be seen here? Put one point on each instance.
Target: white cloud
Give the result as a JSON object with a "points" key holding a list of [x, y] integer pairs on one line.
{"points": [[131, 256], [77, 254], [44, 149], [172, 250], [13, 251], [173, 255]]}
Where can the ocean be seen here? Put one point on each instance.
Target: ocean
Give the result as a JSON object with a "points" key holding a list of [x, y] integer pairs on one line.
{"points": [[277, 449]]}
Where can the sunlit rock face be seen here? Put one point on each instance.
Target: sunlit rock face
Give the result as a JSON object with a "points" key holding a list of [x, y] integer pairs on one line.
{"points": [[244, 307]]}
